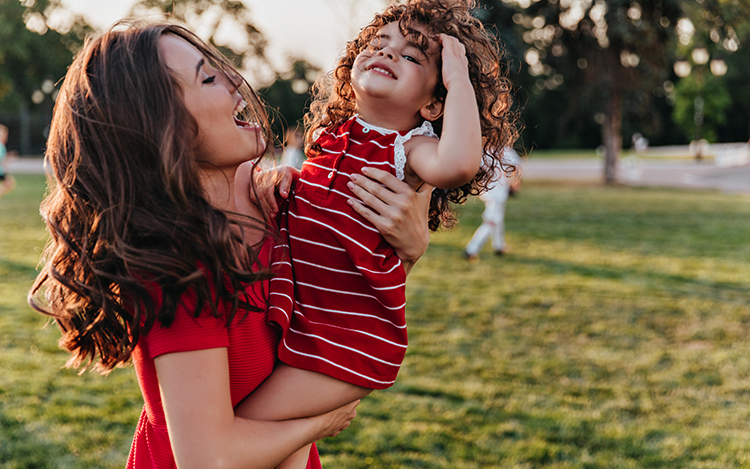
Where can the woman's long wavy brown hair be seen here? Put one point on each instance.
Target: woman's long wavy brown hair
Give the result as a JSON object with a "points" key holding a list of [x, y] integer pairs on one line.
{"points": [[126, 212], [334, 100]]}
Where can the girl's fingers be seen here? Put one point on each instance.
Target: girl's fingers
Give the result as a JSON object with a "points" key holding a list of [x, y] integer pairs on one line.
{"points": [[287, 178], [271, 205]]}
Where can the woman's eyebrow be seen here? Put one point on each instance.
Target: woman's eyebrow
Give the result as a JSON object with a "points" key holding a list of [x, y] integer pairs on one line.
{"points": [[199, 67]]}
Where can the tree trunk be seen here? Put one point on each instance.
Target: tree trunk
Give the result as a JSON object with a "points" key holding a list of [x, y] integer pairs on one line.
{"points": [[25, 119], [612, 127]]}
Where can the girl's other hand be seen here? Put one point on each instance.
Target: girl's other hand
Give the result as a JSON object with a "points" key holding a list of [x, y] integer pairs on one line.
{"points": [[267, 183], [396, 210]]}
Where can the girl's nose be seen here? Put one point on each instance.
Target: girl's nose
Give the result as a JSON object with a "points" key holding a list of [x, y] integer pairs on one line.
{"points": [[387, 52]]}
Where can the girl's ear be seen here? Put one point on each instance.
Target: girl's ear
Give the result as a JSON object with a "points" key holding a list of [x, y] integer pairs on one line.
{"points": [[432, 110]]}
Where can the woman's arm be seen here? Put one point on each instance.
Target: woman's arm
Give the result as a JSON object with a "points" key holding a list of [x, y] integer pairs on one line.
{"points": [[203, 429], [396, 210]]}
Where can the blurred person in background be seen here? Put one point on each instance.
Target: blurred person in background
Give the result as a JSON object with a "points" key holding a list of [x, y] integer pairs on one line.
{"points": [[493, 216], [7, 182]]}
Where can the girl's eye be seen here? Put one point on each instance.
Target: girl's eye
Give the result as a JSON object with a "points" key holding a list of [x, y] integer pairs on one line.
{"points": [[411, 59], [209, 79]]}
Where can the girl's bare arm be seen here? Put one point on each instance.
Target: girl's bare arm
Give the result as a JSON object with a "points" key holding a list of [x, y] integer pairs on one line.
{"points": [[455, 159]]}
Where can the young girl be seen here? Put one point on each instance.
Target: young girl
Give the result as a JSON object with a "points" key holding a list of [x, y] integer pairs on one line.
{"points": [[418, 93]]}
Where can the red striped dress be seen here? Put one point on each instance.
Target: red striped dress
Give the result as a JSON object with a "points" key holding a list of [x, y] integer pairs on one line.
{"points": [[339, 293]]}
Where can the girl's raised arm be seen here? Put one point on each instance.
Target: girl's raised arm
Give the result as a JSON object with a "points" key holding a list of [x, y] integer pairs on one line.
{"points": [[455, 159]]}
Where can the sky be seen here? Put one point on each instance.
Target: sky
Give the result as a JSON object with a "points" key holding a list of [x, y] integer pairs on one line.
{"points": [[316, 30]]}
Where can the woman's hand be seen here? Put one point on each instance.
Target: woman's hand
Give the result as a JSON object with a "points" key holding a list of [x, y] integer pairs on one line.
{"points": [[335, 421], [396, 210]]}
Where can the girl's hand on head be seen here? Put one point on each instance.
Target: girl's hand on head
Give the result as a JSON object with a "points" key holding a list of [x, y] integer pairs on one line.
{"points": [[455, 63], [397, 211]]}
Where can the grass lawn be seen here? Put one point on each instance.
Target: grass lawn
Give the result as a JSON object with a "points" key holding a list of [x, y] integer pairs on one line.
{"points": [[612, 336]]}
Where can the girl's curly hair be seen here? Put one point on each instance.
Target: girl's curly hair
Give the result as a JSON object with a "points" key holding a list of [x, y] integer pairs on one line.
{"points": [[334, 101]]}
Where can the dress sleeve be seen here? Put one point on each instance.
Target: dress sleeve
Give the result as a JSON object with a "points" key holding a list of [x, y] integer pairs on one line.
{"points": [[399, 153], [187, 333]]}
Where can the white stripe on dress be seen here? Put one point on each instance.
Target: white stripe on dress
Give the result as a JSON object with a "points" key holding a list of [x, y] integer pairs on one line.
{"points": [[354, 241], [374, 142], [351, 313], [336, 344], [286, 346], [328, 246], [323, 208], [343, 292]]}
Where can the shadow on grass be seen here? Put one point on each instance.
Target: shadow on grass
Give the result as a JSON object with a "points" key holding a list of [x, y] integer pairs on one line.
{"points": [[21, 448], [18, 269], [691, 284], [497, 437]]}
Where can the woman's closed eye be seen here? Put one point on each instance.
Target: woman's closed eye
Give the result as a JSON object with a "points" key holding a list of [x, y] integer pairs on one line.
{"points": [[209, 80]]}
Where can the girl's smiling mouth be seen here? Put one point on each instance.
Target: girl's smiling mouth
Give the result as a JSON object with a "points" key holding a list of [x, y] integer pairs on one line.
{"points": [[382, 70]]}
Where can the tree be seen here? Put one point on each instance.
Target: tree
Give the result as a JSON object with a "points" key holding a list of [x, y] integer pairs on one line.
{"points": [[701, 104], [603, 51], [39, 37], [227, 24], [288, 97], [32, 59], [704, 98]]}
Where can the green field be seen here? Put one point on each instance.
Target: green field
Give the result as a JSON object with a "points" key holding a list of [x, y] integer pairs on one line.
{"points": [[612, 336]]}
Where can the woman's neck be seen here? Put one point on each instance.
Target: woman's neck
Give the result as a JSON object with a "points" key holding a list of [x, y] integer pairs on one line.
{"points": [[218, 187]]}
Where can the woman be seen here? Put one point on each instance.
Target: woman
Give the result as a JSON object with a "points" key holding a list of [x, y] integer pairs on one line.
{"points": [[148, 259]]}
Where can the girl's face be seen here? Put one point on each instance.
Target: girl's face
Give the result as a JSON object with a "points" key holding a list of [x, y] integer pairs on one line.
{"points": [[395, 74], [212, 99]]}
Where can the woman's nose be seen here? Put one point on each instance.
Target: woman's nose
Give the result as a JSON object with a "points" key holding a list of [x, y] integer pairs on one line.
{"points": [[231, 81]]}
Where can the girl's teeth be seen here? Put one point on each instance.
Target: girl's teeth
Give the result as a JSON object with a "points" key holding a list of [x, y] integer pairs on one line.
{"points": [[382, 70]]}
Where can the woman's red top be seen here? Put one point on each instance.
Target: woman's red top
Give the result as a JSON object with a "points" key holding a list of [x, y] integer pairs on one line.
{"points": [[251, 346]]}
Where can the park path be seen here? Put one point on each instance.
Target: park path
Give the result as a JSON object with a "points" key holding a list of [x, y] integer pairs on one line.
{"points": [[685, 174]]}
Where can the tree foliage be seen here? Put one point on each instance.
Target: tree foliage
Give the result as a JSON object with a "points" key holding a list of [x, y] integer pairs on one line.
{"points": [[607, 56], [288, 97], [607, 64], [30, 54], [227, 24]]}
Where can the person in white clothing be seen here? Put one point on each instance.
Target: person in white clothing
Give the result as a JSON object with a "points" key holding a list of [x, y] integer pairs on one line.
{"points": [[493, 217]]}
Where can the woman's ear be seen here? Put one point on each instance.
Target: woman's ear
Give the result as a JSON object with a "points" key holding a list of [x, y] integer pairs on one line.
{"points": [[432, 110]]}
